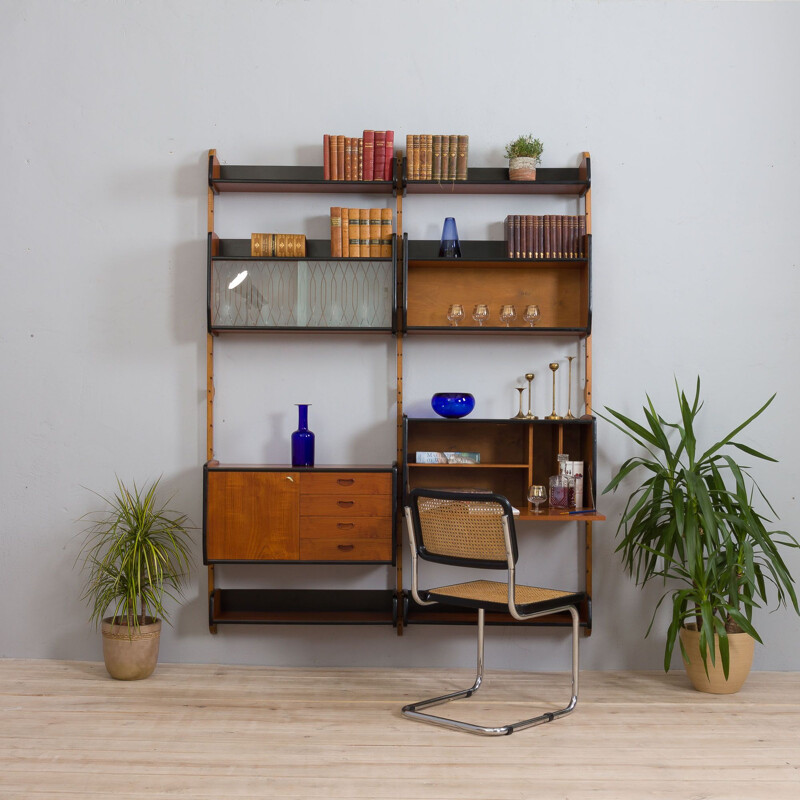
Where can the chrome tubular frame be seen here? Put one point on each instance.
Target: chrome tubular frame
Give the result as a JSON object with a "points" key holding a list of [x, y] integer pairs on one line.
{"points": [[412, 710]]}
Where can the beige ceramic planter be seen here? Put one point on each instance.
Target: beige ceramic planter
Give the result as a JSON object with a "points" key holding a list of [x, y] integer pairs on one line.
{"points": [[522, 168], [742, 646], [130, 655]]}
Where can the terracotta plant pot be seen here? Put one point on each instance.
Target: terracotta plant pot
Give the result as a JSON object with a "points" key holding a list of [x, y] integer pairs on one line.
{"points": [[130, 655], [522, 168], [742, 646]]}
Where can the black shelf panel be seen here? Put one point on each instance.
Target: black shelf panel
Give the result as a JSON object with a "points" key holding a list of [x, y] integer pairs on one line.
{"points": [[463, 330], [478, 252], [303, 607], [316, 250], [237, 178], [573, 182], [585, 420]]}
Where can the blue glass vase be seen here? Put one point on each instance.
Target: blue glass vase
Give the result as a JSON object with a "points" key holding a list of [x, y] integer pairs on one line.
{"points": [[302, 440], [452, 405], [449, 247]]}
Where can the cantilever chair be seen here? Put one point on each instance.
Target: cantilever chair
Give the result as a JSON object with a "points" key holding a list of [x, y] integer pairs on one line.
{"points": [[476, 530]]}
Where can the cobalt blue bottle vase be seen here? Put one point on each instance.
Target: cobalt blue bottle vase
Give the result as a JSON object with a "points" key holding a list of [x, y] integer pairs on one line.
{"points": [[302, 440]]}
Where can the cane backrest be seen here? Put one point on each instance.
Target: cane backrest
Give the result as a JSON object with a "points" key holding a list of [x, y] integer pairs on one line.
{"points": [[462, 528]]}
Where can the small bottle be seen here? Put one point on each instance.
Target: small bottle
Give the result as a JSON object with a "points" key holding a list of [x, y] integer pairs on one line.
{"points": [[562, 486]]}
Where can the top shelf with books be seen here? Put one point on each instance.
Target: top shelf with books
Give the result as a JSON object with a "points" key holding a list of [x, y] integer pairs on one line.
{"points": [[232, 178], [573, 182]]}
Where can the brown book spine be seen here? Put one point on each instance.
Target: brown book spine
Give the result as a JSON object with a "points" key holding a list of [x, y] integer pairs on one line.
{"points": [[354, 229], [386, 233], [436, 149], [517, 236], [255, 245], [462, 157], [547, 235], [536, 247], [523, 237], [379, 156], [336, 232], [340, 156], [363, 231], [559, 248], [388, 169], [445, 157], [345, 233], [369, 152], [360, 175], [374, 232], [508, 235], [573, 237], [334, 158], [582, 236], [529, 239], [452, 157], [348, 158], [409, 156], [429, 156], [423, 156], [326, 156]]}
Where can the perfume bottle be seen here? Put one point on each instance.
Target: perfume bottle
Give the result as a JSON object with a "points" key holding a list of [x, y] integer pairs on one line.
{"points": [[562, 486]]}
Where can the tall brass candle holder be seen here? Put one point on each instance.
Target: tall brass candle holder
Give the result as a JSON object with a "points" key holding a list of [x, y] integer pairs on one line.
{"points": [[520, 414], [552, 414], [529, 376], [569, 414]]}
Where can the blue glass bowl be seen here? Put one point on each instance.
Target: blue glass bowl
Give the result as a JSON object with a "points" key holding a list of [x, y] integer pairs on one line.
{"points": [[452, 404]]}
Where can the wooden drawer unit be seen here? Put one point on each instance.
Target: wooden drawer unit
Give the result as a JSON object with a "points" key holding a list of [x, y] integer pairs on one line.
{"points": [[264, 514], [346, 516]]}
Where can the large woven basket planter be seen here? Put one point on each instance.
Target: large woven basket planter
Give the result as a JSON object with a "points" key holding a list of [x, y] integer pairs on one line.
{"points": [[131, 654], [742, 646]]}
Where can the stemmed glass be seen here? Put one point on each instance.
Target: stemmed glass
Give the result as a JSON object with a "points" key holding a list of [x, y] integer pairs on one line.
{"points": [[455, 313], [531, 314], [480, 313], [537, 495], [508, 314]]}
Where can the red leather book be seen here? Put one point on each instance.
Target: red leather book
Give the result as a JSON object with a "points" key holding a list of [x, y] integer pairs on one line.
{"points": [[523, 237], [388, 168], [582, 236], [559, 245], [536, 232], [379, 160], [517, 236], [348, 158], [462, 157], [509, 236], [336, 231], [529, 240], [369, 151], [326, 156], [547, 232], [360, 172]]}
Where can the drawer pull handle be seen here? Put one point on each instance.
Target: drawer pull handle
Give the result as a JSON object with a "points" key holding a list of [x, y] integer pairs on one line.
{"points": [[345, 503], [290, 479], [346, 547], [345, 481], [345, 525]]}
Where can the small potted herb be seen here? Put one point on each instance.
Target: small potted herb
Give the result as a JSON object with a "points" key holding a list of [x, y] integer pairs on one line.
{"points": [[523, 154]]}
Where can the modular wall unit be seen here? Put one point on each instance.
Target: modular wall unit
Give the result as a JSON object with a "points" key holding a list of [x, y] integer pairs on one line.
{"points": [[351, 514]]}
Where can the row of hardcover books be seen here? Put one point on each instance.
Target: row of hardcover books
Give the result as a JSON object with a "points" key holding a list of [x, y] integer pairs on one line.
{"points": [[361, 232], [277, 245], [547, 236], [369, 157], [436, 157]]}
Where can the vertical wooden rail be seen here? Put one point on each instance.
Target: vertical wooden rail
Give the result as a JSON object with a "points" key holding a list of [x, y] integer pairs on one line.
{"points": [[214, 169], [399, 351]]}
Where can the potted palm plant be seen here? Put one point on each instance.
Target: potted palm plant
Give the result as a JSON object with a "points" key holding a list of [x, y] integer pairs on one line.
{"points": [[693, 521], [135, 553], [523, 154]]}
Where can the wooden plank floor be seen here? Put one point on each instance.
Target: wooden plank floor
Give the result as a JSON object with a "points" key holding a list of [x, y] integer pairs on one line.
{"points": [[223, 732]]}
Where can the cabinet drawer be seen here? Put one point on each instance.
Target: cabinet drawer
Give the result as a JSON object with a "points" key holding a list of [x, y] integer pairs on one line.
{"points": [[342, 483], [341, 528], [345, 549], [336, 505]]}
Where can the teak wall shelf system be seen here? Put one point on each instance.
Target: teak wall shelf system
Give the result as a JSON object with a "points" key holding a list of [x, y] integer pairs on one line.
{"points": [[350, 514]]}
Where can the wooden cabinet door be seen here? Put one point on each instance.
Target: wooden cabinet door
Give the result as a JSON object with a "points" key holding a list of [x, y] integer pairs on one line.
{"points": [[252, 516]]}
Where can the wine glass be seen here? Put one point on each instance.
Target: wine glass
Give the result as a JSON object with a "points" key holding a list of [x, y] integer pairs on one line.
{"points": [[480, 313], [508, 314], [531, 314], [537, 494], [455, 313]]}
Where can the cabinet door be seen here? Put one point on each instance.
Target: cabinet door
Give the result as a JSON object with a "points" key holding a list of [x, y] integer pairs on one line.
{"points": [[252, 516]]}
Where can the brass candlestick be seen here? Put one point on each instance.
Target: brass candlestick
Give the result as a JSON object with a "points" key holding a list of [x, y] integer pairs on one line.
{"points": [[529, 376], [519, 414], [569, 414], [552, 414]]}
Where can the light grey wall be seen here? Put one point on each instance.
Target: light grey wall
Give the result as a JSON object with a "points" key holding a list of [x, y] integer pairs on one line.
{"points": [[689, 110]]}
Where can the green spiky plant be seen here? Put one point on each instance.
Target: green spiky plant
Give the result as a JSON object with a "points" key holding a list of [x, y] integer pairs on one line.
{"points": [[692, 520], [525, 147], [136, 552]]}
